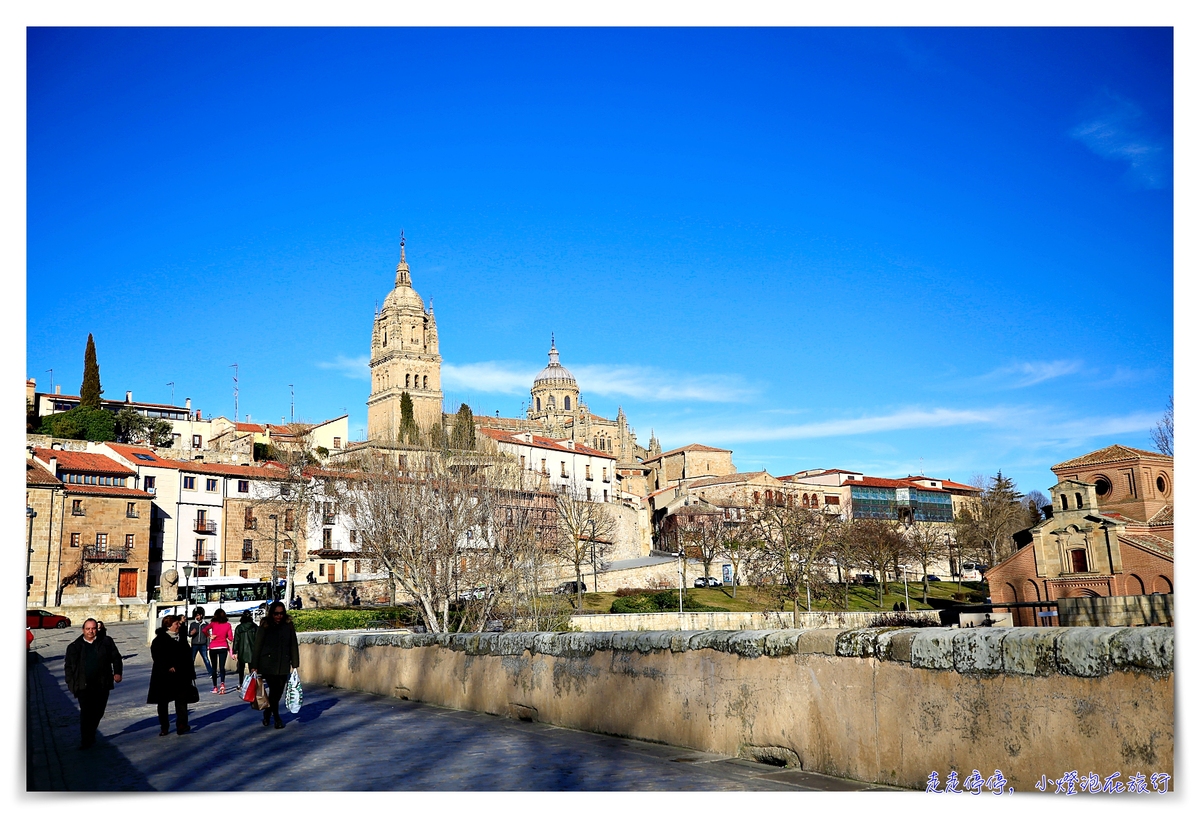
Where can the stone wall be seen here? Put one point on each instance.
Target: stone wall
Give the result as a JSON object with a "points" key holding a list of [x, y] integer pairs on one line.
{"points": [[1158, 609], [732, 620], [339, 594], [879, 705]]}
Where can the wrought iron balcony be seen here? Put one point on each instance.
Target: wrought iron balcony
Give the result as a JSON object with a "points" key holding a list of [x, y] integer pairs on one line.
{"points": [[133, 514], [110, 553], [204, 526], [204, 557], [328, 519], [252, 524], [249, 555]]}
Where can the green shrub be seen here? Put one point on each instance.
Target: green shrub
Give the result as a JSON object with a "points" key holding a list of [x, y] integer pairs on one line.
{"points": [[658, 602], [81, 423], [345, 619]]}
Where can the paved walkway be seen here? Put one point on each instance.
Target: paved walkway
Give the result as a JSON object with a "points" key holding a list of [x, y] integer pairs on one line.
{"points": [[345, 740]]}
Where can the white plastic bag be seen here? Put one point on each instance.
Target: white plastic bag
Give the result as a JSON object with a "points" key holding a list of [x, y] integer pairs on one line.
{"points": [[293, 694]]}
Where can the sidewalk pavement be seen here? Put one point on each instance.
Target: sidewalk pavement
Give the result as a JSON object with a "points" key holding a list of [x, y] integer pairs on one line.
{"points": [[345, 741]]}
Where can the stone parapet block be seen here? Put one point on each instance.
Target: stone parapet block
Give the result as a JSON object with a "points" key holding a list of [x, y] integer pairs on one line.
{"points": [[1082, 652]]}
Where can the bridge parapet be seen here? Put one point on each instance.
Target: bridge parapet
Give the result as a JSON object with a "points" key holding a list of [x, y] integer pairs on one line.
{"points": [[887, 705]]}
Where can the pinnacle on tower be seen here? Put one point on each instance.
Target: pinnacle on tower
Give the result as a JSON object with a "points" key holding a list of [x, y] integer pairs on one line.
{"points": [[403, 277]]}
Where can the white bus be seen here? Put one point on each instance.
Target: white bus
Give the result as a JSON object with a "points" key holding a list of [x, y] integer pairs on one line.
{"points": [[232, 594]]}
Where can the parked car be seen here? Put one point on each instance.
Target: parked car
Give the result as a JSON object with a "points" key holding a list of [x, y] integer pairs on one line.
{"points": [[45, 619], [864, 579], [473, 593], [707, 582], [933, 578], [28, 638], [570, 588]]}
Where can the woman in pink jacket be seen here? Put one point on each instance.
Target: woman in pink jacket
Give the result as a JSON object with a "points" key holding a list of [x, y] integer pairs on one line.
{"points": [[220, 638]]}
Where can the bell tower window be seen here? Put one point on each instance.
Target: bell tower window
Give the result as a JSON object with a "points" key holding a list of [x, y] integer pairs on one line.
{"points": [[566, 402]]}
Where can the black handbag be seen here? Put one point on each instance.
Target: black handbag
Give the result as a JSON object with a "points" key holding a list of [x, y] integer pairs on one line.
{"points": [[193, 695]]}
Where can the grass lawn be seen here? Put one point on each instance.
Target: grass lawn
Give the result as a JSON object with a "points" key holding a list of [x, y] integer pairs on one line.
{"points": [[862, 597]]}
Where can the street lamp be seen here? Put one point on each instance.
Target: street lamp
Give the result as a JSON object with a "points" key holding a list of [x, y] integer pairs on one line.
{"points": [[187, 581], [288, 554], [30, 513], [275, 559], [680, 555]]}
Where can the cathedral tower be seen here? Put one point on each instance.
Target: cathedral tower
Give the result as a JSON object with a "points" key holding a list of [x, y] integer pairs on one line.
{"points": [[555, 395], [404, 358]]}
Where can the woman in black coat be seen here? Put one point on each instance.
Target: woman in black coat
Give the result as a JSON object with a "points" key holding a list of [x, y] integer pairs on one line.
{"points": [[172, 676], [276, 652]]}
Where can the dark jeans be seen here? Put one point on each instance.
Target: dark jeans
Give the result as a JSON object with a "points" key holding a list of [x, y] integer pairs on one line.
{"points": [[203, 651], [181, 715], [91, 710], [275, 685], [217, 656]]}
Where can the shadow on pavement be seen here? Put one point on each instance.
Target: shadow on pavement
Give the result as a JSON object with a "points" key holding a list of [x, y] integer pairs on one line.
{"points": [[55, 762]]}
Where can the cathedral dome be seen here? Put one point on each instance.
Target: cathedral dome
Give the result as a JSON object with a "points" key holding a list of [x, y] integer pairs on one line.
{"points": [[554, 371], [403, 296]]}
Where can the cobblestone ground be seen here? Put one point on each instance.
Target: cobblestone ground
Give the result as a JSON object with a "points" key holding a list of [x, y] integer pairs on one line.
{"points": [[344, 740]]}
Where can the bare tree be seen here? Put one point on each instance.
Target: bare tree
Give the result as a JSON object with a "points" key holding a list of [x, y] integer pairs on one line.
{"points": [[697, 530], [1164, 431], [877, 545], [927, 543], [795, 542], [988, 525], [737, 539], [585, 531]]}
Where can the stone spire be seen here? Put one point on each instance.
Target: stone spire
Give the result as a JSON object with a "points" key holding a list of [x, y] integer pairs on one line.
{"points": [[403, 277]]}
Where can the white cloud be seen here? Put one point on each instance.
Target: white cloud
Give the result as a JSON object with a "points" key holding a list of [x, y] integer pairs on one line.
{"points": [[643, 383], [1117, 131], [493, 377], [905, 419], [357, 368], [1033, 372]]}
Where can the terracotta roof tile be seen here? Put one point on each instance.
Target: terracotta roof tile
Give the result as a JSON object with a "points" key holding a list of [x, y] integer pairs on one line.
{"points": [[539, 442], [83, 462], [1150, 542], [739, 477], [1165, 516], [1110, 454], [106, 491], [691, 447], [142, 456], [37, 475]]}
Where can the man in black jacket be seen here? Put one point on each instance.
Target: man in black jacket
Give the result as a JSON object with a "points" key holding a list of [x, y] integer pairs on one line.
{"points": [[92, 666]]}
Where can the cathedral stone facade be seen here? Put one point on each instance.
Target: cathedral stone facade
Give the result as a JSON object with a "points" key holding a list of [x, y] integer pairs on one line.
{"points": [[404, 358]]}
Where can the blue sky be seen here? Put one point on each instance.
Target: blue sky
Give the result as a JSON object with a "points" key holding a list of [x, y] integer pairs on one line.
{"points": [[889, 250]]}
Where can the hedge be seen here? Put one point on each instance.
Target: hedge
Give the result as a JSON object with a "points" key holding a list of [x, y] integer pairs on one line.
{"points": [[661, 601], [345, 619]]}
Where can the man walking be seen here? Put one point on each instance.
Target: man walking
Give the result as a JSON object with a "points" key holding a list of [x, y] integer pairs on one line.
{"points": [[92, 667], [199, 638]]}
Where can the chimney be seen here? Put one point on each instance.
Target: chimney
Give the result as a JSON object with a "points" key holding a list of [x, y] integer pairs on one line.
{"points": [[58, 388], [247, 417], [54, 465], [128, 396], [187, 403], [198, 413]]}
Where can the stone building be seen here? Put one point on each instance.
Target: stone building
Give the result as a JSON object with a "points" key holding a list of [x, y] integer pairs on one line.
{"points": [[1081, 551], [98, 544], [688, 463], [404, 358]]}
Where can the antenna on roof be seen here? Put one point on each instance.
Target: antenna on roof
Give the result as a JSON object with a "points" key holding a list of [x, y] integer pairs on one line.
{"points": [[235, 392], [293, 388], [172, 385], [51, 371]]}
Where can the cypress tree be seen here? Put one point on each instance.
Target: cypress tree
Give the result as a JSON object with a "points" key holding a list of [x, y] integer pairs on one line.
{"points": [[90, 391], [463, 434], [409, 431]]}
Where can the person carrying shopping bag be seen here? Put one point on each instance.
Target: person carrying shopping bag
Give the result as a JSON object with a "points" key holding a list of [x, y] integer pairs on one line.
{"points": [[276, 653], [198, 637], [220, 637], [243, 645], [172, 676]]}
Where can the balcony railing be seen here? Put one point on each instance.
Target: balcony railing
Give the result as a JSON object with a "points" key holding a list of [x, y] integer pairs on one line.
{"points": [[204, 557], [249, 555], [204, 526], [328, 519], [78, 511], [102, 553], [132, 514], [252, 524]]}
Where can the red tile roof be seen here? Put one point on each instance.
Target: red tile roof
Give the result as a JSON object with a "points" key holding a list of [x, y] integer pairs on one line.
{"points": [[250, 427], [138, 455], [540, 442], [233, 470], [885, 483], [691, 447], [37, 475], [106, 491], [82, 462], [1110, 454]]}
